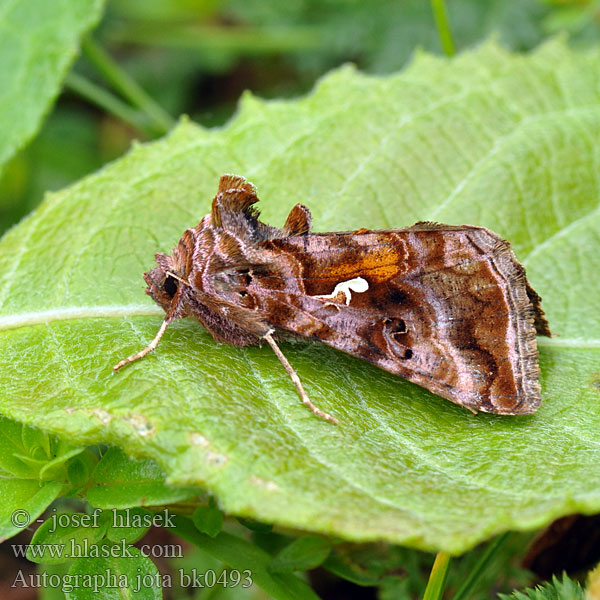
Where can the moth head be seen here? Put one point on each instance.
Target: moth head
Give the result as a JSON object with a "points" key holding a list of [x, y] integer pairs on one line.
{"points": [[162, 286]]}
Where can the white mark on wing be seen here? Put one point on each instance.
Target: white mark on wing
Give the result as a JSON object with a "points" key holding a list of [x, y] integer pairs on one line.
{"points": [[345, 288]]}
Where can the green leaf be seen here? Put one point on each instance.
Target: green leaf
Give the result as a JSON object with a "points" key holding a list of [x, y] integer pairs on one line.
{"points": [[208, 519], [77, 473], [342, 568], [115, 577], [65, 536], [52, 572], [22, 501], [33, 471], [566, 589], [121, 482], [255, 525], [31, 453], [488, 138], [302, 554], [130, 524], [252, 562], [38, 44]]}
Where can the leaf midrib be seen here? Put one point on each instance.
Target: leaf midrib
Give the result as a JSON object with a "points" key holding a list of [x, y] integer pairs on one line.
{"points": [[72, 313]]}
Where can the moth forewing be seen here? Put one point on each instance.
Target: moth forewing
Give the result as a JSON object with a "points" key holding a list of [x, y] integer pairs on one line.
{"points": [[447, 307]]}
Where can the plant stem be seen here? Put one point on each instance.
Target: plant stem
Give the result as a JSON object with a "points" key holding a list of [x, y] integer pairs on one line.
{"points": [[126, 86], [480, 566], [437, 577], [443, 26], [100, 97], [255, 41]]}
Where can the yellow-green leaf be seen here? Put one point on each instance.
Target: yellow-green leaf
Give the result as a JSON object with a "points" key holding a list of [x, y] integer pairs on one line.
{"points": [[488, 138], [38, 44]]}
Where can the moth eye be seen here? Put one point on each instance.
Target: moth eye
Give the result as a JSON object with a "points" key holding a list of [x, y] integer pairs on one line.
{"points": [[170, 286]]}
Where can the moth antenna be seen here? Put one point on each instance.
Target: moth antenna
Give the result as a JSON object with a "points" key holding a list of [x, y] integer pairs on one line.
{"points": [[146, 350], [178, 278], [294, 376]]}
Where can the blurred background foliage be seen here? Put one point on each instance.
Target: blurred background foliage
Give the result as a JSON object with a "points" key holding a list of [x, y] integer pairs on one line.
{"points": [[196, 57]]}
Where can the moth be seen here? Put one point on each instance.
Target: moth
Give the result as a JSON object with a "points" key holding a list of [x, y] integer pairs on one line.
{"points": [[447, 307]]}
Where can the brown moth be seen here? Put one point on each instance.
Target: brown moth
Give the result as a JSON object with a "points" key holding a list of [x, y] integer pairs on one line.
{"points": [[447, 307]]}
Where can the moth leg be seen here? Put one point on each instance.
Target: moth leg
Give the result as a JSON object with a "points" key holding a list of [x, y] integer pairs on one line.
{"points": [[294, 376], [146, 350]]}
